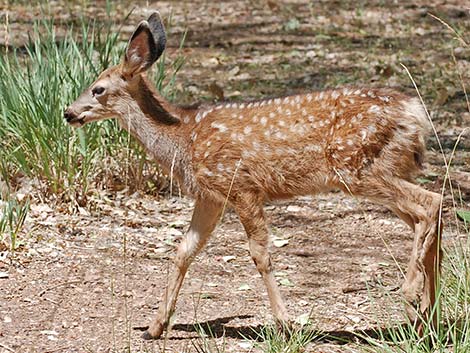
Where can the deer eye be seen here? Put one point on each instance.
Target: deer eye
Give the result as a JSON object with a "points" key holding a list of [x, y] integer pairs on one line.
{"points": [[96, 91]]}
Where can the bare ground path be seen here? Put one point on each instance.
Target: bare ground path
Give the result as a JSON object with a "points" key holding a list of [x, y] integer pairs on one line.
{"points": [[89, 282]]}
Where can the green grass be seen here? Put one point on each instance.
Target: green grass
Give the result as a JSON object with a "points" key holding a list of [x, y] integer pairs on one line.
{"points": [[12, 217], [37, 82]]}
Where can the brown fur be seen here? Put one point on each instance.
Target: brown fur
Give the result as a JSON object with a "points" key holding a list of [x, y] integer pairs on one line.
{"points": [[367, 142]]}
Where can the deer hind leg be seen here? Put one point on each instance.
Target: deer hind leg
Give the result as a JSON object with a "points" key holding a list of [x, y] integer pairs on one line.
{"points": [[250, 211], [420, 209], [205, 217]]}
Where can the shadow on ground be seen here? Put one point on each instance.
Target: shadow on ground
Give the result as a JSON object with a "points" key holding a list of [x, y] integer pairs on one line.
{"points": [[218, 329]]}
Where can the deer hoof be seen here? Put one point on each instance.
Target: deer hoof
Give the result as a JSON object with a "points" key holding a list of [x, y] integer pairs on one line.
{"points": [[147, 336], [153, 332]]}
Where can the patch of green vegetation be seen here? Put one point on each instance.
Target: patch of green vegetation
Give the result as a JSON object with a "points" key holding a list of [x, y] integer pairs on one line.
{"points": [[37, 82], [12, 218]]}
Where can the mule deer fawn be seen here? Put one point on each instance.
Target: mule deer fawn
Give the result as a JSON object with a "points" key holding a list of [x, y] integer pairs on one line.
{"points": [[366, 142]]}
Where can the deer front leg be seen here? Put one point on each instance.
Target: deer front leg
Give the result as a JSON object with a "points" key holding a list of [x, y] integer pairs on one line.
{"points": [[205, 217], [253, 219]]}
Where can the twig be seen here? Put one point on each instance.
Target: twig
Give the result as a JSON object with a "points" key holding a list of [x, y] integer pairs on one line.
{"points": [[57, 286], [50, 300], [7, 348], [58, 349]]}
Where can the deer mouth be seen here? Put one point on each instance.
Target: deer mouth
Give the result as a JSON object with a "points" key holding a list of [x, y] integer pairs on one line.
{"points": [[73, 119]]}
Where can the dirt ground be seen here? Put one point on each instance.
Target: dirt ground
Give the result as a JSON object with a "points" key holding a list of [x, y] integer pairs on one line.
{"points": [[90, 282]]}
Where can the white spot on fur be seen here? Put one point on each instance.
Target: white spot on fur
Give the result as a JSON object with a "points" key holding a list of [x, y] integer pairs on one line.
{"points": [[311, 118], [198, 117], [309, 97], [246, 154], [335, 94], [277, 101], [206, 154], [186, 119], [219, 126], [282, 123], [312, 148], [255, 119], [272, 115], [208, 172], [385, 98], [220, 167], [242, 105], [286, 100], [209, 143], [247, 130], [363, 134], [263, 121], [374, 109], [249, 105]]}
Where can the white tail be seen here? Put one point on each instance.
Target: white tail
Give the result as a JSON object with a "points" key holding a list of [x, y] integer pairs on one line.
{"points": [[366, 142]]}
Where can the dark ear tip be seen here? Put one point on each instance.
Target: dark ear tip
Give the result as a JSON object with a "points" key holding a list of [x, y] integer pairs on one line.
{"points": [[155, 16]]}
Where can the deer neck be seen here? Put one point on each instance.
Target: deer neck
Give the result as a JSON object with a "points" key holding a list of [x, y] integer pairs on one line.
{"points": [[156, 124]]}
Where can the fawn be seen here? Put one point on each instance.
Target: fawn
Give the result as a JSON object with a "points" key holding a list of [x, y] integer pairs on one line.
{"points": [[367, 142]]}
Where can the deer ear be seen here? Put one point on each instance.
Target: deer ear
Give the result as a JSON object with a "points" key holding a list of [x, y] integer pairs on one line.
{"points": [[145, 46]]}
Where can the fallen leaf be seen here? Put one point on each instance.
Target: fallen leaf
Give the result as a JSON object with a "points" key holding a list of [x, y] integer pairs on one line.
{"points": [[228, 258], [244, 287], [48, 332], [286, 282], [303, 319], [279, 243], [461, 214], [4, 275]]}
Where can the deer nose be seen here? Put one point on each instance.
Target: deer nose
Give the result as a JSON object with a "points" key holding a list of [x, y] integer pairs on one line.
{"points": [[68, 116]]}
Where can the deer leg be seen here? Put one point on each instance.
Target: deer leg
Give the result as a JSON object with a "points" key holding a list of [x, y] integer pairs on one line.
{"points": [[205, 217], [422, 274], [419, 208], [254, 221]]}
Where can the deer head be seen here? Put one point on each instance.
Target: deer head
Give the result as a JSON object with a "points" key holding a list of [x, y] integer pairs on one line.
{"points": [[111, 95]]}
